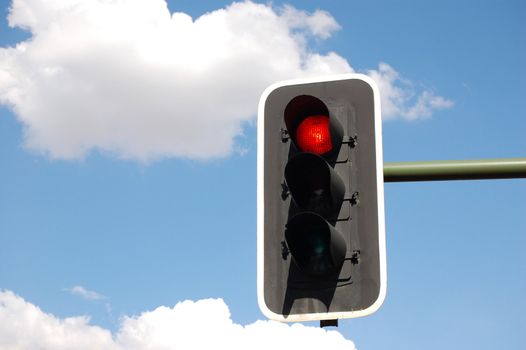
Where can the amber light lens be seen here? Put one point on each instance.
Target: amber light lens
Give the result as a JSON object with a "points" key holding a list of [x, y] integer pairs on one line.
{"points": [[313, 134]]}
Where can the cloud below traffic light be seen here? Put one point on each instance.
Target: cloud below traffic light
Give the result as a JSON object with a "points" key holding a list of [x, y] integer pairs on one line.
{"points": [[203, 324]]}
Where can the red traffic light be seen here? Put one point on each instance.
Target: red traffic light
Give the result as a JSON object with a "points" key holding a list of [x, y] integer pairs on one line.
{"points": [[313, 134], [311, 128]]}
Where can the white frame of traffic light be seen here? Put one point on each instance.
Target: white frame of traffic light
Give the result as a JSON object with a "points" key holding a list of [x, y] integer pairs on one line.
{"points": [[380, 193]]}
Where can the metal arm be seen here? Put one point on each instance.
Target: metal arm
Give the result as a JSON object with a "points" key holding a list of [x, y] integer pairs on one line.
{"points": [[504, 168]]}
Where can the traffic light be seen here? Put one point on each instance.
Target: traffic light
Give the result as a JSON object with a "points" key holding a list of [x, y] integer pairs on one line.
{"points": [[321, 230]]}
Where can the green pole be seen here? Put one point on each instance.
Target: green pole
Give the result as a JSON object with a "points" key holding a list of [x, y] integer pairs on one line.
{"points": [[505, 168]]}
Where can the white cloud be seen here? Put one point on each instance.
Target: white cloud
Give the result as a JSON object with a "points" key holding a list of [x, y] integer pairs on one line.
{"points": [[320, 24], [24, 326], [204, 324], [426, 103], [129, 78], [85, 293], [397, 94]]}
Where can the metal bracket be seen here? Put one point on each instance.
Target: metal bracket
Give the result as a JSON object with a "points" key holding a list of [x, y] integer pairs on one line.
{"points": [[352, 198], [284, 191], [354, 260], [284, 250], [352, 141], [355, 257], [285, 136]]}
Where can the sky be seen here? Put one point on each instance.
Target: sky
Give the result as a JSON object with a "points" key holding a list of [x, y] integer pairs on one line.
{"points": [[128, 169]]}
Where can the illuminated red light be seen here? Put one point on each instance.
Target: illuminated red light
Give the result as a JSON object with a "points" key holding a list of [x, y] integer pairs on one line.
{"points": [[313, 134]]}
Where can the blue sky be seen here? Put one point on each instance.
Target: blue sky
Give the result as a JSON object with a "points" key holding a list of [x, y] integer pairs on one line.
{"points": [[128, 162]]}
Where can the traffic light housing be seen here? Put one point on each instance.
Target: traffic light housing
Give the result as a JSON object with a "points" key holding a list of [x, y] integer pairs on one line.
{"points": [[321, 230]]}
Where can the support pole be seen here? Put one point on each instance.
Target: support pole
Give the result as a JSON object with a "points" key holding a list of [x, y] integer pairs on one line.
{"points": [[329, 323], [504, 168]]}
